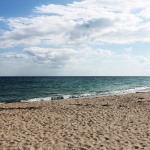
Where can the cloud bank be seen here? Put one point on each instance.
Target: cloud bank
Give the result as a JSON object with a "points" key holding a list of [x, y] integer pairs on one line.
{"points": [[85, 22], [60, 35]]}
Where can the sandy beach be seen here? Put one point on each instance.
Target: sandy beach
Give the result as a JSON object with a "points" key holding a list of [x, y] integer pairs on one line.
{"points": [[120, 122]]}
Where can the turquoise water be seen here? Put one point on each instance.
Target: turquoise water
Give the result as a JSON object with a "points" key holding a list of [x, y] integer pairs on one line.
{"points": [[18, 89]]}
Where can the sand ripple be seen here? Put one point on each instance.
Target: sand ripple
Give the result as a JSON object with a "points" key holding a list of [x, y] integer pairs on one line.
{"points": [[106, 123]]}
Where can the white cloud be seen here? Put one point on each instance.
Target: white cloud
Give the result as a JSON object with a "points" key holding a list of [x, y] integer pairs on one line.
{"points": [[108, 5], [143, 60], [139, 61], [13, 55], [128, 50], [57, 57], [82, 60], [65, 35], [85, 22], [54, 57], [2, 19], [145, 12]]}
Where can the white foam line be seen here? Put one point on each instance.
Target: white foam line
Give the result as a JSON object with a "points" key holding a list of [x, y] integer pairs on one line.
{"points": [[134, 90], [37, 99], [93, 94]]}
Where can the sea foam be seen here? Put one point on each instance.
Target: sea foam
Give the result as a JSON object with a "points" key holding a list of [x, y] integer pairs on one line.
{"points": [[92, 94]]}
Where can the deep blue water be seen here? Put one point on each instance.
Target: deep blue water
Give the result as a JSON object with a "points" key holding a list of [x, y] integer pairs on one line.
{"points": [[14, 89]]}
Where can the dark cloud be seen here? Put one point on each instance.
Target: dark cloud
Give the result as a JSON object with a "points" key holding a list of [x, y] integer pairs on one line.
{"points": [[99, 23], [90, 26]]}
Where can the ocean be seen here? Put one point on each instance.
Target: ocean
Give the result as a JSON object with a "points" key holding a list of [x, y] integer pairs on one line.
{"points": [[29, 89]]}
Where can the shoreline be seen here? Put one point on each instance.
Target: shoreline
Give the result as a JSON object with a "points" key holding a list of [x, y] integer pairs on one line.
{"points": [[78, 98], [74, 97], [105, 122], [32, 97]]}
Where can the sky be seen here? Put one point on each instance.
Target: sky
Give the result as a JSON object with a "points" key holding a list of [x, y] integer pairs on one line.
{"points": [[74, 38]]}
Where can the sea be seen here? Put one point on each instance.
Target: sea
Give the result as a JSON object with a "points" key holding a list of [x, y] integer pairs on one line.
{"points": [[30, 89]]}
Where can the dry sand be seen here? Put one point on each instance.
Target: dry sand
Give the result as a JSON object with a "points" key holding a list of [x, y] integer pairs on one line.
{"points": [[102, 123]]}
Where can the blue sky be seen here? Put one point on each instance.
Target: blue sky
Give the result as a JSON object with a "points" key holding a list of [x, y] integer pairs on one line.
{"points": [[19, 8], [84, 37]]}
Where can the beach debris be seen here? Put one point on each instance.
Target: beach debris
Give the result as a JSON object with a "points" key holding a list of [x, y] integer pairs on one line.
{"points": [[106, 105]]}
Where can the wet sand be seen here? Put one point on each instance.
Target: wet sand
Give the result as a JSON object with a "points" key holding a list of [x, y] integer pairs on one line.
{"points": [[102, 123]]}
